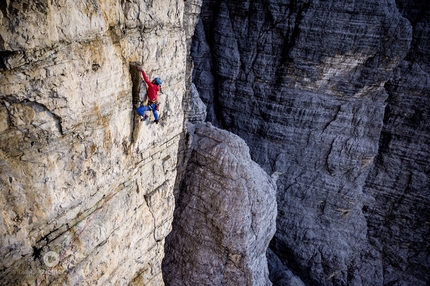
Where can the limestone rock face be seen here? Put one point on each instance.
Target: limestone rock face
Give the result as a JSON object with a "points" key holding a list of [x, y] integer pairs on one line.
{"points": [[305, 84], [225, 216], [398, 187], [83, 202]]}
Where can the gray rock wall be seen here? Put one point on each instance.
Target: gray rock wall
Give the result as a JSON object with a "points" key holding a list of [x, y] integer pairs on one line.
{"points": [[83, 201], [225, 215], [304, 83], [398, 186]]}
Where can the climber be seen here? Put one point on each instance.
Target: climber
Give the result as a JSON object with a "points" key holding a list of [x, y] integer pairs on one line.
{"points": [[153, 87], [153, 105], [150, 107]]}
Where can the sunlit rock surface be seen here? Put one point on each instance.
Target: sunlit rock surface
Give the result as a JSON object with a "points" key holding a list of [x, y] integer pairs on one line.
{"points": [[82, 202]]}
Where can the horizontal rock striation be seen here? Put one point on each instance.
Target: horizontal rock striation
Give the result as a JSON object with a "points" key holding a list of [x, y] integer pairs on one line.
{"points": [[304, 84], [81, 203], [398, 186], [225, 216]]}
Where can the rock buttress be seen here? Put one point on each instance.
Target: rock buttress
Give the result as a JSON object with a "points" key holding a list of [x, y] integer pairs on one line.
{"points": [[225, 215]]}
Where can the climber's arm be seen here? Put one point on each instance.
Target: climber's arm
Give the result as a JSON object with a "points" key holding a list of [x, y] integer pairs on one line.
{"points": [[145, 77]]}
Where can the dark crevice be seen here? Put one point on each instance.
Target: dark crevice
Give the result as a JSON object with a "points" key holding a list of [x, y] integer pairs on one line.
{"points": [[290, 40], [136, 100], [3, 8], [287, 256], [4, 55], [37, 253], [294, 32], [208, 14], [217, 107]]}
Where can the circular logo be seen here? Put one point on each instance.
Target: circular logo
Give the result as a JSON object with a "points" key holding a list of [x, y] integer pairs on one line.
{"points": [[51, 259]]}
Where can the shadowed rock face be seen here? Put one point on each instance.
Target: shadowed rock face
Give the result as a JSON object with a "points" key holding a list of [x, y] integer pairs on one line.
{"points": [[225, 216], [318, 90], [398, 186]]}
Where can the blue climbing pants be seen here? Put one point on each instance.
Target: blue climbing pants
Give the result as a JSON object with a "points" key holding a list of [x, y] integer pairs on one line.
{"points": [[151, 107]]}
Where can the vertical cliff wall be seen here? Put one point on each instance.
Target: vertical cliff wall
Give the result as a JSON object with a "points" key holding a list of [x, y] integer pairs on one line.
{"points": [[398, 186], [80, 203], [306, 84], [329, 94]]}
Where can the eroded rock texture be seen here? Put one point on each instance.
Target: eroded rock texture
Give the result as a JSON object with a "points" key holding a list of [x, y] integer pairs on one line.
{"points": [[73, 186], [304, 83], [225, 216], [398, 211]]}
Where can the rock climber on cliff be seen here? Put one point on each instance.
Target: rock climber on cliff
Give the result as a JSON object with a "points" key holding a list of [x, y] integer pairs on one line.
{"points": [[153, 105]]}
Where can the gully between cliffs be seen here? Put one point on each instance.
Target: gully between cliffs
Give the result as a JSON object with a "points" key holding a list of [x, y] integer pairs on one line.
{"points": [[333, 96]]}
